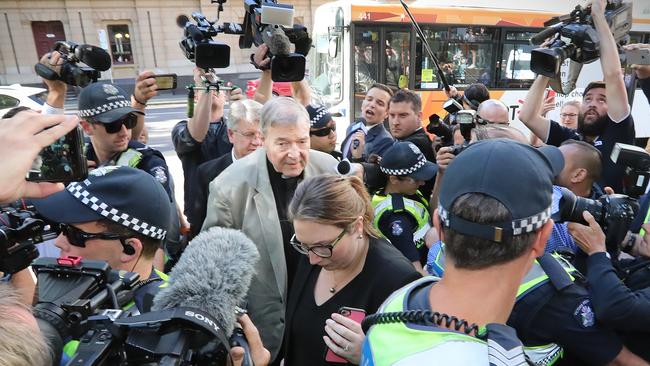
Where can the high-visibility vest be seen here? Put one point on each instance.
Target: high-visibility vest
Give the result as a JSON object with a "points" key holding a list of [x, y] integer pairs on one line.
{"points": [[419, 210]]}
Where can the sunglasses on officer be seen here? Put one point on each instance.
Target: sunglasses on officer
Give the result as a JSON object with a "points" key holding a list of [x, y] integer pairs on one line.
{"points": [[129, 121], [77, 237], [323, 131]]}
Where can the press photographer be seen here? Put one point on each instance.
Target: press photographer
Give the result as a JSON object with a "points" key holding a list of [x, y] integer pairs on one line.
{"points": [[605, 117], [616, 305]]}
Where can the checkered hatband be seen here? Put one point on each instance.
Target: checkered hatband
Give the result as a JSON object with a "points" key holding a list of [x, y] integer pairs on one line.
{"points": [[106, 210], [319, 114], [104, 108], [403, 172], [521, 226]]}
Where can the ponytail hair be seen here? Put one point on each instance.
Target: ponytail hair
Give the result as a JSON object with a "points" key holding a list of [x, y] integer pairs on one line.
{"points": [[333, 200]]}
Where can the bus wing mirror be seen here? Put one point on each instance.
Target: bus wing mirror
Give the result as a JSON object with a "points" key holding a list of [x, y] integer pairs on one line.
{"points": [[333, 48]]}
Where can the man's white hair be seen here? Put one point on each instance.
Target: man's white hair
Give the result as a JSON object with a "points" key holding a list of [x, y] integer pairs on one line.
{"points": [[282, 111], [246, 109]]}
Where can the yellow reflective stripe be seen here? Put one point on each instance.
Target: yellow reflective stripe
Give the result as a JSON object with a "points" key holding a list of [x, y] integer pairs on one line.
{"points": [[70, 348], [545, 355], [647, 217], [130, 158], [392, 342]]}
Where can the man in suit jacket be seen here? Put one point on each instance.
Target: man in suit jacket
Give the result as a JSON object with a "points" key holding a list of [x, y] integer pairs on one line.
{"points": [[253, 195], [245, 136], [371, 134], [405, 121]]}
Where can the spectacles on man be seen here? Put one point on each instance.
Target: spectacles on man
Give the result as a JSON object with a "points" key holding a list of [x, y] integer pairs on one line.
{"points": [[322, 250], [322, 132], [568, 115], [250, 135], [78, 238], [130, 120]]}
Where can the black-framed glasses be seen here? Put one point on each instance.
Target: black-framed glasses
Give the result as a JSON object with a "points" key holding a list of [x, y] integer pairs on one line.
{"points": [[130, 120], [322, 132], [77, 237], [323, 251]]}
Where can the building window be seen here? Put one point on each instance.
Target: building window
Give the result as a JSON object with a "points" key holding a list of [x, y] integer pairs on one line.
{"points": [[120, 39]]}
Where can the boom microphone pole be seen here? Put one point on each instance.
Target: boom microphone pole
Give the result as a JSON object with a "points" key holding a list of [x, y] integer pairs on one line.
{"points": [[427, 48]]}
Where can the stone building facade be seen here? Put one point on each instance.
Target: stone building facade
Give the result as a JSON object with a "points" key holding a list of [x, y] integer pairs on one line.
{"points": [[139, 34]]}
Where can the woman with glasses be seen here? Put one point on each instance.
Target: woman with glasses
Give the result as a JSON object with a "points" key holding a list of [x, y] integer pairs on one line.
{"points": [[346, 269], [569, 114]]}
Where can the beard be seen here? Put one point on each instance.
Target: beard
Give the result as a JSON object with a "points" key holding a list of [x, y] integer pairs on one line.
{"points": [[592, 129]]}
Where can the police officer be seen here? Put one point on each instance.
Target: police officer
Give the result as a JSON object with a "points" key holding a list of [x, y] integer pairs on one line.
{"points": [[322, 131], [554, 316], [401, 212], [107, 116], [493, 229], [119, 215]]}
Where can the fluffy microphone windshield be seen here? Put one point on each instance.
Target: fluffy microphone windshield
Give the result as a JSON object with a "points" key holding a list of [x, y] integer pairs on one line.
{"points": [[278, 42], [212, 275]]}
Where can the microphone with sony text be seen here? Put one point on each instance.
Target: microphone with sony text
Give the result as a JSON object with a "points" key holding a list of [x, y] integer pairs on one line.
{"points": [[212, 275], [196, 312]]}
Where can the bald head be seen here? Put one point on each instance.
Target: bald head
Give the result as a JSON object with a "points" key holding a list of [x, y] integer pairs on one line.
{"points": [[582, 167], [579, 154], [497, 131], [493, 111]]}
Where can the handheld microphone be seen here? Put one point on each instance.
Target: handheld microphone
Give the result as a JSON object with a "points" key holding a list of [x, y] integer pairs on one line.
{"points": [[212, 275], [278, 42]]}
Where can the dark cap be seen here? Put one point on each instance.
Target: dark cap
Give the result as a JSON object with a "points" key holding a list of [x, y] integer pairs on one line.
{"points": [[319, 116], [406, 160], [104, 103], [476, 94], [594, 85], [515, 174], [127, 196]]}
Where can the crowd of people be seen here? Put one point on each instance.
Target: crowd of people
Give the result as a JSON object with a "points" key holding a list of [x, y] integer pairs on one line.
{"points": [[448, 254]]}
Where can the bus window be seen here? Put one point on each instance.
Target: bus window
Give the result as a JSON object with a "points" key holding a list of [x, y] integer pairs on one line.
{"points": [[327, 66], [366, 58], [398, 57], [515, 61], [366, 63], [465, 55]]}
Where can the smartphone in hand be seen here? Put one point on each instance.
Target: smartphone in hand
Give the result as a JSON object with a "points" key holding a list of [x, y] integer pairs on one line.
{"points": [[166, 81], [353, 313], [62, 161], [640, 56]]}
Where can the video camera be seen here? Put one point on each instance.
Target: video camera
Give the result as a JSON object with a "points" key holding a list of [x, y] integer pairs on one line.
{"points": [[84, 300], [20, 230], [271, 23], [71, 73], [582, 43], [198, 45]]}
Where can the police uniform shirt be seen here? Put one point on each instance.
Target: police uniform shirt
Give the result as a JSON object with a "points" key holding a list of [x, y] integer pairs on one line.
{"points": [[566, 318], [152, 162], [398, 228], [612, 175]]}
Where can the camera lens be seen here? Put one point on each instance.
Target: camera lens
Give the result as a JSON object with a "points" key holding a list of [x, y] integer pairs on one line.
{"points": [[572, 206]]}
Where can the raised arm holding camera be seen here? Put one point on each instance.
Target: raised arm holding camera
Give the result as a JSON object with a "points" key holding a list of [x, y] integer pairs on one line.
{"points": [[605, 113]]}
